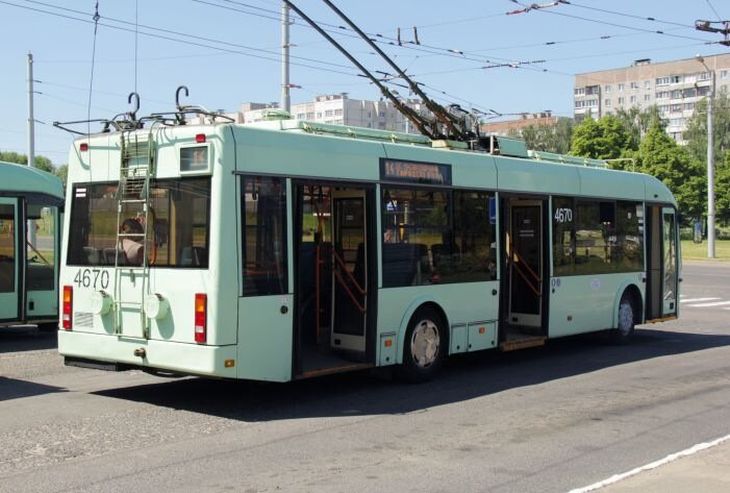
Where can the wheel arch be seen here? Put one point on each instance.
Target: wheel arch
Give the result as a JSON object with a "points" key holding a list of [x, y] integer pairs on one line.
{"points": [[630, 288], [417, 304]]}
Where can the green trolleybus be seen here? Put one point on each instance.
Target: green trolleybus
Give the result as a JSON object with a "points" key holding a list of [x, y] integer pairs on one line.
{"points": [[283, 250], [31, 206]]}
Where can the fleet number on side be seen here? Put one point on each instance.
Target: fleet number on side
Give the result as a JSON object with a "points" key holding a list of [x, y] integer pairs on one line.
{"points": [[92, 278]]}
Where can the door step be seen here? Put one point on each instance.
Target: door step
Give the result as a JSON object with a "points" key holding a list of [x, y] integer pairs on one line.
{"points": [[522, 343]]}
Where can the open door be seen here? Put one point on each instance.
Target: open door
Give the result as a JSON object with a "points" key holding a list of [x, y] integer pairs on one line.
{"points": [[349, 270], [670, 266], [524, 263], [662, 274], [9, 262], [334, 277]]}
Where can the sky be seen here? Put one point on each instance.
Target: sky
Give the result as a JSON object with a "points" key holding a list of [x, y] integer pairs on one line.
{"points": [[226, 52]]}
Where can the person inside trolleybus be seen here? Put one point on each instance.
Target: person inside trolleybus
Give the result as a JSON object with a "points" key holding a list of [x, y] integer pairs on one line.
{"points": [[132, 246]]}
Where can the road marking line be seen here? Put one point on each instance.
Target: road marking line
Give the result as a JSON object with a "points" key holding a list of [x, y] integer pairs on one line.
{"points": [[717, 303], [693, 300], [652, 465]]}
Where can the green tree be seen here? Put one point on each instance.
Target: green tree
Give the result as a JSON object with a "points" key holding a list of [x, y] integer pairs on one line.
{"points": [[41, 162], [606, 138], [636, 122], [62, 173], [696, 133], [13, 157], [696, 137], [659, 155], [722, 188], [548, 138]]}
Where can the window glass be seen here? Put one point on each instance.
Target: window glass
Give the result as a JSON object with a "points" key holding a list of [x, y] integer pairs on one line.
{"points": [[194, 158], [264, 236], [177, 225], [7, 248], [563, 237], [593, 232], [629, 250], [597, 237], [670, 260], [474, 251], [415, 231], [41, 248]]}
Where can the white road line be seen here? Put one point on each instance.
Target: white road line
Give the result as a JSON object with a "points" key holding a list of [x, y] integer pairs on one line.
{"points": [[716, 303], [652, 465], [694, 300]]}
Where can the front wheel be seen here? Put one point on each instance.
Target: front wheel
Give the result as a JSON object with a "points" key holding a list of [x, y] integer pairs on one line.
{"points": [[625, 326], [425, 346]]}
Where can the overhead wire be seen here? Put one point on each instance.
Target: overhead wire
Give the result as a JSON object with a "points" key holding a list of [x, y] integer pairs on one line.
{"points": [[712, 7], [166, 32], [470, 56], [93, 59], [432, 50], [630, 16], [613, 24]]}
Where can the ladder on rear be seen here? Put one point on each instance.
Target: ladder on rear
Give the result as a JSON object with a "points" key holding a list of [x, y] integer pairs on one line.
{"points": [[136, 169]]}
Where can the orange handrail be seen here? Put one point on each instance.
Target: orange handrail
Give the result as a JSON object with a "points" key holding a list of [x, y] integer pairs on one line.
{"points": [[519, 265], [343, 267]]}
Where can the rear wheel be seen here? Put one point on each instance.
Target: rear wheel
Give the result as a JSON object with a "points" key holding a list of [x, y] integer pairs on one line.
{"points": [[626, 315], [425, 346]]}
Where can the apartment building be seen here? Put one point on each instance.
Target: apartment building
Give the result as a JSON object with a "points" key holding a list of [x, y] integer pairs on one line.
{"points": [[339, 109], [674, 86]]}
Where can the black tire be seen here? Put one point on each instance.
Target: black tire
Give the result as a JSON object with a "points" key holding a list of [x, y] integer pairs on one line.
{"points": [[425, 346], [625, 321]]}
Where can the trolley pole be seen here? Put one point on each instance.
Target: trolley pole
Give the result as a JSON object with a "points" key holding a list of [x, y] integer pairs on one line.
{"points": [[285, 98], [31, 117], [710, 165]]}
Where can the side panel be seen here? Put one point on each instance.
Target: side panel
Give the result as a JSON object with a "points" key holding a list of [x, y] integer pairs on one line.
{"points": [[586, 303], [607, 183], [468, 303], [265, 338], [535, 177]]}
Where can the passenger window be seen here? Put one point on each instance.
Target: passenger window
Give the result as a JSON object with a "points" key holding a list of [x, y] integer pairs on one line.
{"points": [[563, 236], [416, 236], [263, 205], [41, 248]]}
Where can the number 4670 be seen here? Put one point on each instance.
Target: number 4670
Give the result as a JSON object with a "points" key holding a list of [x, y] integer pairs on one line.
{"points": [[563, 215], [92, 278]]}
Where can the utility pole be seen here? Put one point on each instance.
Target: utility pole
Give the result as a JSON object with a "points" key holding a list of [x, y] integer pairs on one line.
{"points": [[710, 165], [31, 117], [285, 102]]}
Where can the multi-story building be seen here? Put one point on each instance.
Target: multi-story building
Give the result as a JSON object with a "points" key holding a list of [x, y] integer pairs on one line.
{"points": [[339, 109], [675, 87]]}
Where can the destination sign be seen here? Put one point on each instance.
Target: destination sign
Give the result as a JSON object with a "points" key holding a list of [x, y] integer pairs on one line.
{"points": [[415, 172]]}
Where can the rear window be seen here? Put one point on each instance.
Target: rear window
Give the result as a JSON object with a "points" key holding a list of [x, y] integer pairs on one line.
{"points": [[178, 232]]}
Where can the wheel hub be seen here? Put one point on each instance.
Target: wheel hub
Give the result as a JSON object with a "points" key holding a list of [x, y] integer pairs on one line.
{"points": [[425, 343]]}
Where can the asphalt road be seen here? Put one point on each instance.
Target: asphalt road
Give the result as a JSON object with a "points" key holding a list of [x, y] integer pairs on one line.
{"points": [[546, 419]]}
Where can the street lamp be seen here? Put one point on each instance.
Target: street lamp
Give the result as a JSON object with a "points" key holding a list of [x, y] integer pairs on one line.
{"points": [[710, 166]]}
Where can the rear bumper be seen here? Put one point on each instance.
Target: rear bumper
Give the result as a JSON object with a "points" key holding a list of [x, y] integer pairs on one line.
{"points": [[177, 357]]}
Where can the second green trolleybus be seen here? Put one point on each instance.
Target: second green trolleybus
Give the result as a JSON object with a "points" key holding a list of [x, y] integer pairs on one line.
{"points": [[283, 250], [31, 209]]}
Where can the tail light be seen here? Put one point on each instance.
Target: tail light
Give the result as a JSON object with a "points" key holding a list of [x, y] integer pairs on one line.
{"points": [[201, 318], [68, 303]]}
